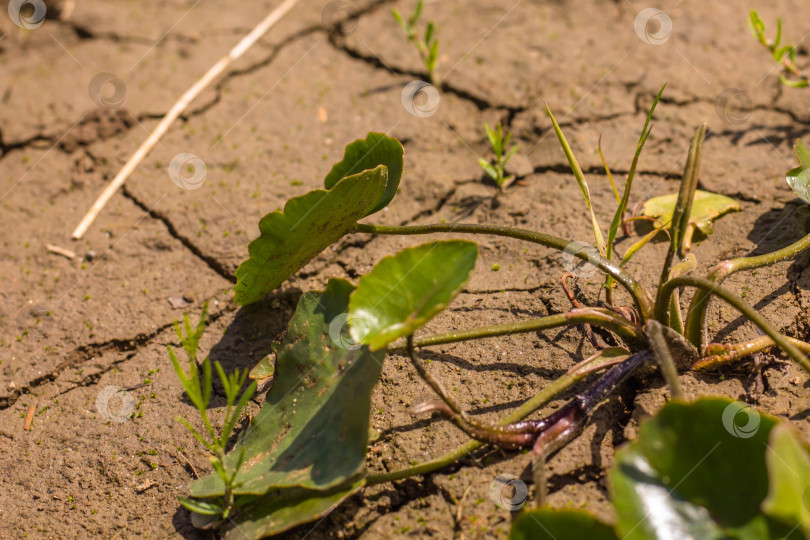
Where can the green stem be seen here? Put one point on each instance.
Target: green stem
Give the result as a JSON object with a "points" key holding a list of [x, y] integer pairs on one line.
{"points": [[746, 309], [595, 316], [429, 379], [638, 293], [717, 353], [696, 317], [655, 332], [683, 209], [546, 394]]}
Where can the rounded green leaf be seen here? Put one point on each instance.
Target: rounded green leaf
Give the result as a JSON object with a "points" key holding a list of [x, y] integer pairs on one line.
{"points": [[799, 178], [369, 153], [697, 470], [547, 524], [706, 207], [307, 226], [404, 291]]}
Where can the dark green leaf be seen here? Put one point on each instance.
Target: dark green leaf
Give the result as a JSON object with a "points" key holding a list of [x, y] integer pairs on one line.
{"points": [[312, 430], [404, 291], [369, 153], [280, 511], [559, 525], [696, 471], [645, 506], [308, 225]]}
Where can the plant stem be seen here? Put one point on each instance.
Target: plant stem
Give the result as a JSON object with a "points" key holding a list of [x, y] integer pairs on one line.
{"points": [[718, 353], [683, 209], [596, 316], [741, 305], [546, 394], [638, 293], [663, 356], [696, 316], [429, 379]]}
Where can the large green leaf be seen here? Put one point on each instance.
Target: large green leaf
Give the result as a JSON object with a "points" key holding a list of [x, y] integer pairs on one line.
{"points": [[559, 524], [280, 511], [696, 471], [706, 207], [308, 225], [646, 507], [789, 471], [799, 178], [363, 154], [313, 428], [404, 291]]}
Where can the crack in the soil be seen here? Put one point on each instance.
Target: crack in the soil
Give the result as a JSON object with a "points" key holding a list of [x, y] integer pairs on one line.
{"points": [[209, 260], [86, 352], [481, 103]]}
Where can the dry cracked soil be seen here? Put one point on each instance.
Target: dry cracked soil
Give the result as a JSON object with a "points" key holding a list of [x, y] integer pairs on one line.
{"points": [[271, 128]]}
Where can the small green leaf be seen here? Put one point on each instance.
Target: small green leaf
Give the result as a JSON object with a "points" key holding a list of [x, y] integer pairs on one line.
{"points": [[789, 475], [308, 224], [546, 524], [404, 291], [263, 370], [429, 32], [200, 507], [580, 176], [366, 154], [311, 432], [706, 207], [799, 178]]}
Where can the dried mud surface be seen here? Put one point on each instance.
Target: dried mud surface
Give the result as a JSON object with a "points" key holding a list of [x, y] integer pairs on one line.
{"points": [[71, 328]]}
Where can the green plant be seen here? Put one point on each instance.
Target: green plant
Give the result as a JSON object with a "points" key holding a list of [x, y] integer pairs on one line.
{"points": [[713, 468], [427, 46], [199, 392], [499, 144], [305, 451], [785, 55]]}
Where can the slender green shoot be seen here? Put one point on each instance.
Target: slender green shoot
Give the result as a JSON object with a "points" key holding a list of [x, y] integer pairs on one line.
{"points": [[683, 206], [785, 55], [499, 144], [618, 217], [428, 46], [199, 391], [583, 184]]}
